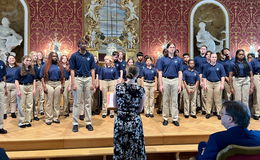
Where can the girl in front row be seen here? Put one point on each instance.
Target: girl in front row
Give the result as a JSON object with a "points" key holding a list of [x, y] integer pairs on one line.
{"points": [[149, 82], [108, 77], [26, 86]]}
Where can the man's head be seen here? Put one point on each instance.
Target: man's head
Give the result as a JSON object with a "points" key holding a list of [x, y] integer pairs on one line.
{"points": [[115, 55], [186, 57], [140, 56], [203, 50], [234, 113]]}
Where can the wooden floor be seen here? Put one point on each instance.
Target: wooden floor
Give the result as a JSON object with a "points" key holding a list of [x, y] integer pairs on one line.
{"points": [[59, 136]]}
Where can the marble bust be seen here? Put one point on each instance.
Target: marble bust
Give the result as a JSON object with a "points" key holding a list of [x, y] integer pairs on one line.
{"points": [[9, 39], [205, 38], [131, 8]]}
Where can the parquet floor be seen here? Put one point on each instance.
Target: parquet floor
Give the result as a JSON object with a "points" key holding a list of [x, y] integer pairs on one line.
{"points": [[42, 136]]}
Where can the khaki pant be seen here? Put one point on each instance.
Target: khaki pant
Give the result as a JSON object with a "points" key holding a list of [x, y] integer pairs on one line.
{"points": [[214, 97], [2, 94], [227, 93], [66, 97], [25, 104], [83, 95], [52, 110], [241, 87], [107, 86], [170, 98], [38, 99], [256, 100], [189, 101], [10, 99], [149, 98]]}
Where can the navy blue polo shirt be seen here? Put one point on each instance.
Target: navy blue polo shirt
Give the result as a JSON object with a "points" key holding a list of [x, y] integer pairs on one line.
{"points": [[199, 60], [82, 64], [10, 74], [202, 67], [66, 74], [54, 73], [184, 66], [37, 70], [28, 78], [122, 65], [2, 70], [190, 76], [169, 66], [149, 74], [213, 73], [97, 70], [241, 72], [256, 66], [140, 65], [108, 73]]}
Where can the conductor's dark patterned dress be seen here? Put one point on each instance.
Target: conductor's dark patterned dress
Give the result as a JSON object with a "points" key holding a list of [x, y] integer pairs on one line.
{"points": [[128, 129]]}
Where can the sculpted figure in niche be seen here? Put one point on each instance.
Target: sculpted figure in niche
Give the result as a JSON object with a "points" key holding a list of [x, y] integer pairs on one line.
{"points": [[131, 8], [93, 39], [9, 39], [56, 47], [130, 39], [205, 38], [91, 10]]}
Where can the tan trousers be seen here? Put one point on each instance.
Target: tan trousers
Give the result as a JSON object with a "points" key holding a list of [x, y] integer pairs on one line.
{"points": [[2, 94], [25, 104], [52, 110], [66, 97], [170, 98], [38, 99], [256, 106], [189, 101], [241, 87], [82, 94], [227, 93], [149, 98], [107, 86], [10, 99], [214, 97]]}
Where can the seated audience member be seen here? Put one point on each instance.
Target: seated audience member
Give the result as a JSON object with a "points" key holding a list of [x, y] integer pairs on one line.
{"points": [[235, 117]]}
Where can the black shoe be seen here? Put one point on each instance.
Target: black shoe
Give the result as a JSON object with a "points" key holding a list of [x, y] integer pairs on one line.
{"points": [[215, 113], [165, 123], [3, 131], [194, 116], [186, 116], [28, 125], [13, 115], [176, 123], [219, 117], [67, 115], [104, 116], [57, 121], [42, 113], [81, 117], [48, 123], [5, 116], [159, 111], [203, 112], [111, 116], [22, 126], [151, 115], [89, 127], [36, 119], [255, 117], [207, 116], [147, 115], [75, 128]]}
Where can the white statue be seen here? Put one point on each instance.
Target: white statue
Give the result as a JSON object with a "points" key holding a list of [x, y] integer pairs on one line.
{"points": [[91, 10], [205, 38], [93, 39], [9, 39], [56, 47], [130, 39], [131, 8], [111, 48]]}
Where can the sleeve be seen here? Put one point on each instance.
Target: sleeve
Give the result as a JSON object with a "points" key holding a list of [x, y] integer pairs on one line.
{"points": [[41, 75], [142, 73], [223, 73], [231, 67], [253, 66], [184, 76], [72, 61], [4, 70], [197, 77], [116, 74], [159, 64], [92, 65], [211, 150], [180, 68], [250, 66], [17, 74], [204, 73], [155, 73]]}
